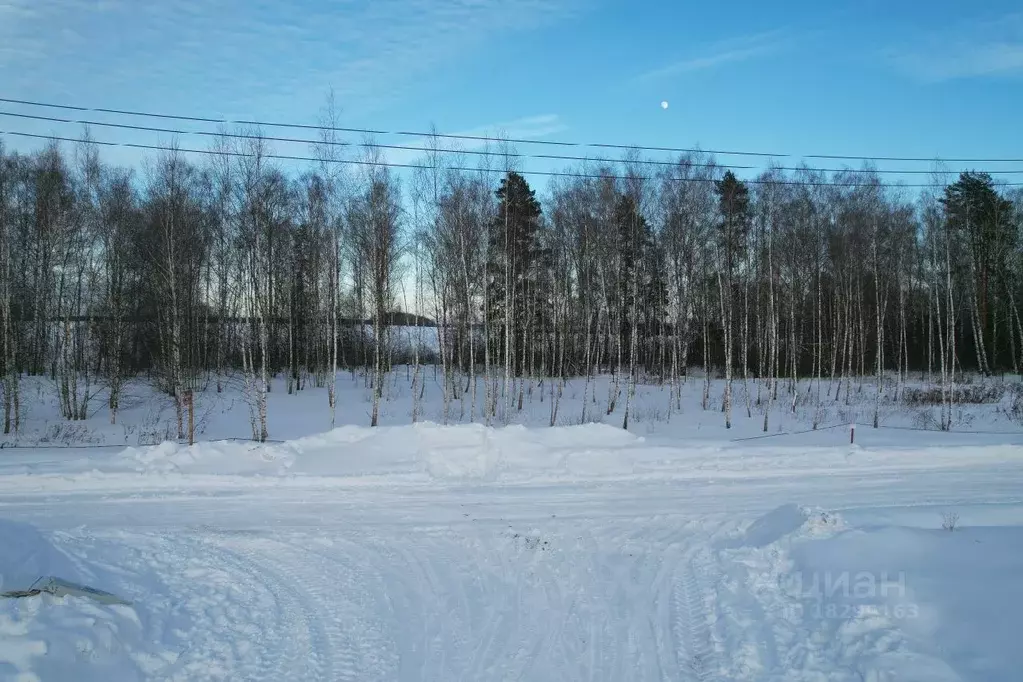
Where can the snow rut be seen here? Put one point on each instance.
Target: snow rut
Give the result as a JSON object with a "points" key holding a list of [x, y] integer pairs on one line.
{"points": [[244, 606], [695, 655], [230, 619], [470, 602], [473, 603], [338, 636]]}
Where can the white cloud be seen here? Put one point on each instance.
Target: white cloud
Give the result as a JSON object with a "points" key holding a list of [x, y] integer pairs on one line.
{"points": [[368, 51], [530, 127], [16, 17], [991, 48], [33, 30], [12, 9], [720, 53], [392, 42]]}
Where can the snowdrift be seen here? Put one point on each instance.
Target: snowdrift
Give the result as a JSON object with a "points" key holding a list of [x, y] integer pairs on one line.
{"points": [[879, 602], [46, 637], [428, 453], [26, 556]]}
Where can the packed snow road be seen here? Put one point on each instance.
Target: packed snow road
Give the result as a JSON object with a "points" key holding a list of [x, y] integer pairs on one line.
{"points": [[467, 554]]}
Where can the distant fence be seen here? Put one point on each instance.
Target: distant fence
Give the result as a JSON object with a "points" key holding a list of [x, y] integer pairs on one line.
{"points": [[852, 430]]}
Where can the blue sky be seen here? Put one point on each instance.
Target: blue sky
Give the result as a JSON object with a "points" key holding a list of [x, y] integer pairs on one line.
{"points": [[927, 79]]}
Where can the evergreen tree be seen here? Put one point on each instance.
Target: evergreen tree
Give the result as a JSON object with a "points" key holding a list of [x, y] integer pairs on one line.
{"points": [[984, 220], [512, 258], [653, 297], [633, 245], [733, 204]]}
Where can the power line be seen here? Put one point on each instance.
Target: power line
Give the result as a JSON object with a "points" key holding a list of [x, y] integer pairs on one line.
{"points": [[487, 138], [840, 157], [789, 433], [387, 164], [306, 126], [212, 152], [469, 152], [371, 145]]}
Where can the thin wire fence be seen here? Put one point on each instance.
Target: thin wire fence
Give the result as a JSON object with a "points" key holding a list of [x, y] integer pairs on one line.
{"points": [[278, 441], [972, 432]]}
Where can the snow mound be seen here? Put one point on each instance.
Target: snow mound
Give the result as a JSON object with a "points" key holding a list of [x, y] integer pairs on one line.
{"points": [[43, 637], [953, 598], [877, 602], [425, 451], [27, 556], [462, 453], [231, 457], [788, 521], [458, 454]]}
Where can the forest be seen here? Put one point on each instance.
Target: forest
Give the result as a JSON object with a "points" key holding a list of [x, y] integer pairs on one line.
{"points": [[236, 261]]}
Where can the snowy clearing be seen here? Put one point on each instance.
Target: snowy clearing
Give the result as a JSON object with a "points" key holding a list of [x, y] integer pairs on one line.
{"points": [[431, 552]]}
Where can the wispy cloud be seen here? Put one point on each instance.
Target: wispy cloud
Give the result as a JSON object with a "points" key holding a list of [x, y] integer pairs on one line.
{"points": [[32, 29], [15, 41], [529, 127], [15, 8], [367, 51], [990, 48], [396, 41], [720, 53]]}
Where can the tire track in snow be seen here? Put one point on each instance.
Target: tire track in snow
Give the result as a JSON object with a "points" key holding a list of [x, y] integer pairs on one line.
{"points": [[300, 629], [659, 615], [458, 604], [521, 622], [415, 598], [540, 619], [427, 600], [625, 579], [664, 584], [695, 652], [347, 642], [239, 624]]}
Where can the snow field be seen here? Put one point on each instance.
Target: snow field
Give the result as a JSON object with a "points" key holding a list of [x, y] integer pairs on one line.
{"points": [[585, 552], [146, 416], [650, 598]]}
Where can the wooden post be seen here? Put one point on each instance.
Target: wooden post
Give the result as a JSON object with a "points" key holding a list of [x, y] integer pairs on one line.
{"points": [[190, 402], [852, 433]]}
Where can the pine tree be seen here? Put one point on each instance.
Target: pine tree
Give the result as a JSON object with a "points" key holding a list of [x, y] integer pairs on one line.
{"points": [[511, 261], [634, 242], [733, 204], [654, 298], [983, 219]]}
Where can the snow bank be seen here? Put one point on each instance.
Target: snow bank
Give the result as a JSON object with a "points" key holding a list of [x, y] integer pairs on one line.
{"points": [[26, 556], [210, 458], [952, 596], [423, 451], [876, 602], [430, 453], [59, 638], [788, 522]]}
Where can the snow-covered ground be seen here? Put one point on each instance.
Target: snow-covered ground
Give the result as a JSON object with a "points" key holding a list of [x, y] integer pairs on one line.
{"points": [[581, 552]]}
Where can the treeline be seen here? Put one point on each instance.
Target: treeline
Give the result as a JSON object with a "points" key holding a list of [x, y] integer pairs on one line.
{"points": [[190, 270]]}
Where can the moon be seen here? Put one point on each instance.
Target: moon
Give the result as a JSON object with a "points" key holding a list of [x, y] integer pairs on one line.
{"points": [[664, 104]]}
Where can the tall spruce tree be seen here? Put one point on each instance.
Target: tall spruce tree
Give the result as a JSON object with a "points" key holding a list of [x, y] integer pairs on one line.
{"points": [[983, 222], [733, 205], [633, 245], [511, 262]]}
